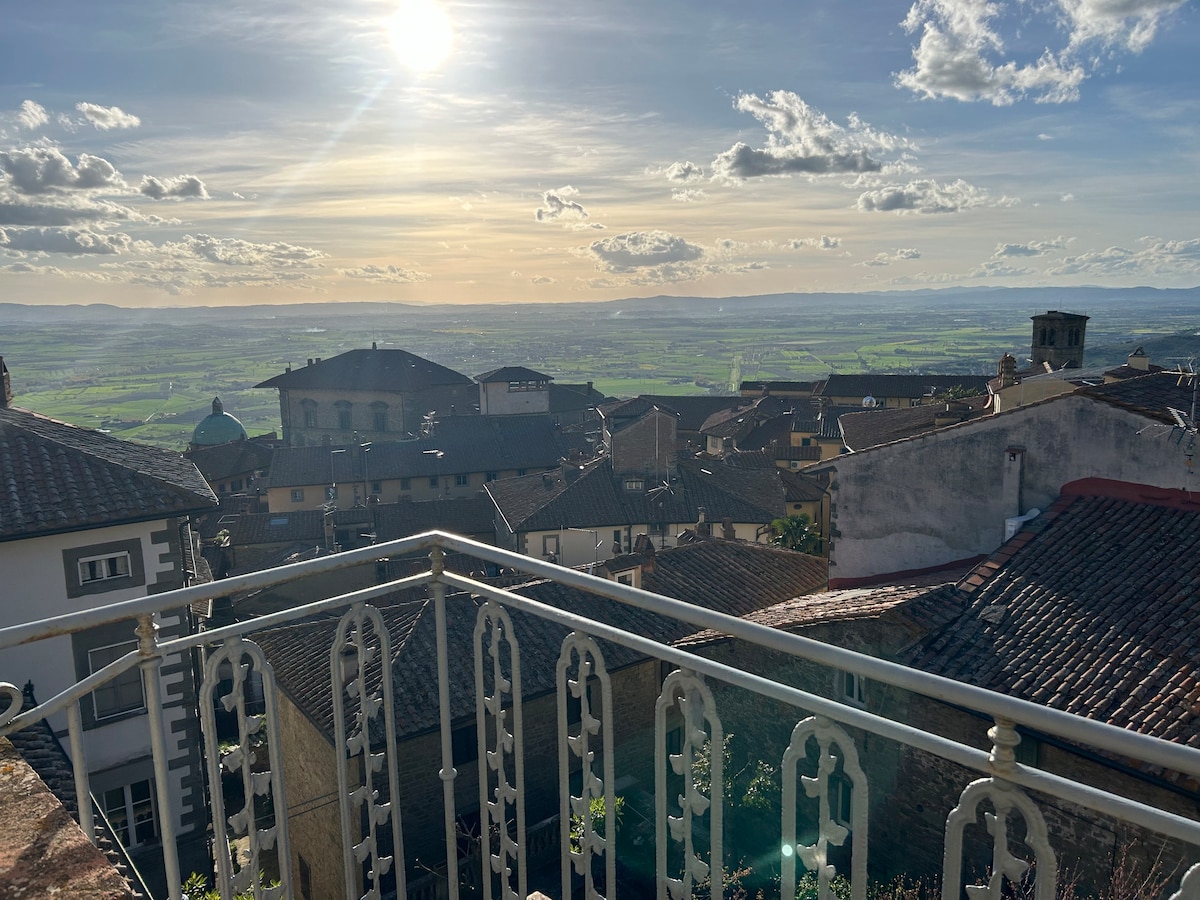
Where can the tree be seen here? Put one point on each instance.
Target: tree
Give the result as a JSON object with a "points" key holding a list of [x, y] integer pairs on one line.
{"points": [[796, 532]]}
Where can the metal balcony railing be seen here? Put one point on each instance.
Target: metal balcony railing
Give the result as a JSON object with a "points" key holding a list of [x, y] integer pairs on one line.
{"points": [[690, 812]]}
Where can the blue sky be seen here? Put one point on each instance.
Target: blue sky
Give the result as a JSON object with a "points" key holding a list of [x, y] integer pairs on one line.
{"points": [[223, 153]]}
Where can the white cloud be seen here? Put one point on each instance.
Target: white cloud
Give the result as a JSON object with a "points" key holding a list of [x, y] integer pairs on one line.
{"points": [[180, 188], [66, 209], [898, 255], [64, 240], [543, 279], [824, 242], [928, 196], [688, 195], [32, 115], [107, 117], [38, 170], [684, 172], [1157, 257], [998, 268], [1067, 198], [385, 274], [640, 249], [802, 140], [1032, 248], [962, 54], [236, 252], [557, 206]]}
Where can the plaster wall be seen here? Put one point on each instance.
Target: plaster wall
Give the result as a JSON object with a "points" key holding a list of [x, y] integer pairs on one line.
{"points": [[495, 399], [941, 497]]}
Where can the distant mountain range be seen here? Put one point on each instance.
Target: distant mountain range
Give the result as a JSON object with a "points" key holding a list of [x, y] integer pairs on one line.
{"points": [[1073, 299]]}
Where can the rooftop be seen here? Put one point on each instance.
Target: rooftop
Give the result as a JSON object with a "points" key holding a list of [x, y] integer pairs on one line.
{"points": [[369, 370]]}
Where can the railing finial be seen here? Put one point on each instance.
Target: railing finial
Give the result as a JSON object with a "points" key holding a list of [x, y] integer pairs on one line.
{"points": [[1005, 738]]}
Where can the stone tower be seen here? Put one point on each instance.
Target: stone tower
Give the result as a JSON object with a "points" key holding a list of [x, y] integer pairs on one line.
{"points": [[1058, 340]]}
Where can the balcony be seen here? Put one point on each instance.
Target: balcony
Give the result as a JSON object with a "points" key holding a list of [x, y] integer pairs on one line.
{"points": [[581, 738]]}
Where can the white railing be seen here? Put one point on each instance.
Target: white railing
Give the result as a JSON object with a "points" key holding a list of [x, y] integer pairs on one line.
{"points": [[688, 809]]}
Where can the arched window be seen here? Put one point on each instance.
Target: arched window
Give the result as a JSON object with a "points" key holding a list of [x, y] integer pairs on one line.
{"points": [[345, 421]]}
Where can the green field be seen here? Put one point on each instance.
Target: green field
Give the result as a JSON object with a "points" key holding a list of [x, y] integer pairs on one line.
{"points": [[153, 381]]}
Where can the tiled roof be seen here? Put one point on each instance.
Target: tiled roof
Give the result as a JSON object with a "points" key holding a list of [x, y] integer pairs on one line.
{"points": [[693, 411], [595, 498], [298, 525], [1090, 609], [824, 424], [226, 460], [883, 386], [787, 386], [712, 574], [571, 397], [869, 427], [1151, 395], [511, 373], [57, 477], [466, 516], [925, 609], [369, 370], [466, 443]]}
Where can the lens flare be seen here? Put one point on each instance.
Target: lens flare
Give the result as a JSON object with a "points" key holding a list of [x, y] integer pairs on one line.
{"points": [[421, 34]]}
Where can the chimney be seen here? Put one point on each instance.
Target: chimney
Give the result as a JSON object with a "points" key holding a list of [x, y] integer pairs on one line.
{"points": [[374, 346], [1008, 370], [547, 480], [6, 394], [703, 526], [727, 530], [310, 360], [1137, 360], [644, 547]]}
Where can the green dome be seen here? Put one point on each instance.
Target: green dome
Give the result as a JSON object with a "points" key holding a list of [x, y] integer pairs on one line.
{"points": [[218, 428]]}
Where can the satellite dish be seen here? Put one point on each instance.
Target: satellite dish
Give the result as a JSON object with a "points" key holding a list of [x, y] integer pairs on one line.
{"points": [[869, 402]]}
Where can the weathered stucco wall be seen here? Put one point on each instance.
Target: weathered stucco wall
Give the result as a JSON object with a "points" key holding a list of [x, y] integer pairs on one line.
{"points": [[942, 497]]}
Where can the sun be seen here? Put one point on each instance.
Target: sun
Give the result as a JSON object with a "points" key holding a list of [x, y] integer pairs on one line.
{"points": [[421, 34]]}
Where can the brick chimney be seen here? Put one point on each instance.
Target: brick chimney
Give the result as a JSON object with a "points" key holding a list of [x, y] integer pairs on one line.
{"points": [[1137, 360], [6, 394], [728, 532], [1008, 370]]}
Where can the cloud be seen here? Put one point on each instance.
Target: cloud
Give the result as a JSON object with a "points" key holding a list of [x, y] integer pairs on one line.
{"points": [[802, 140], [180, 188], [961, 54], [688, 195], [998, 268], [107, 117], [898, 255], [385, 274], [824, 242], [32, 115], [928, 196], [66, 209], [557, 206], [236, 252], [1033, 248], [684, 172], [1067, 198], [64, 240], [1157, 257], [543, 279], [39, 170], [640, 249]]}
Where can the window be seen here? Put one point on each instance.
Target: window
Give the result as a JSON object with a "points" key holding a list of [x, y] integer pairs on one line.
{"points": [[379, 416], [522, 386], [550, 546], [101, 568], [841, 796], [462, 480], [625, 578], [490, 476], [635, 484], [406, 484], [376, 487], [1028, 752], [130, 811], [464, 744], [344, 421], [122, 694], [310, 413], [850, 688], [297, 495], [235, 485], [433, 482], [522, 472], [332, 492]]}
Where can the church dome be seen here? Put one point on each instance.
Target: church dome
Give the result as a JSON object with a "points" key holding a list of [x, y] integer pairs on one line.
{"points": [[219, 427]]}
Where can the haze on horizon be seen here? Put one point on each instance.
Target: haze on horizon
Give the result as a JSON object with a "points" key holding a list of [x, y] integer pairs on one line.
{"points": [[221, 153]]}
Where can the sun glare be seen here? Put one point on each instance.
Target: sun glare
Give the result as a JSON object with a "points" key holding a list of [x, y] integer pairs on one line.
{"points": [[420, 34]]}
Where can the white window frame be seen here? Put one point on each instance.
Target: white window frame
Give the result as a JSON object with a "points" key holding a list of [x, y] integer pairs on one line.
{"points": [[121, 649], [550, 545], [132, 810], [462, 480], [850, 688], [106, 570], [297, 495]]}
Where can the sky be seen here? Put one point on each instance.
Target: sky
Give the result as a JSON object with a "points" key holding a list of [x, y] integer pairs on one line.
{"points": [[225, 153]]}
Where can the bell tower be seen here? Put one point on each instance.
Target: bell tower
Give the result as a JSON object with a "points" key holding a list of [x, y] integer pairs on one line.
{"points": [[1058, 340]]}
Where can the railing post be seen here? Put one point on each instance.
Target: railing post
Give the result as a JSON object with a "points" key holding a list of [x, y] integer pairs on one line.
{"points": [[147, 632], [83, 789], [447, 773]]}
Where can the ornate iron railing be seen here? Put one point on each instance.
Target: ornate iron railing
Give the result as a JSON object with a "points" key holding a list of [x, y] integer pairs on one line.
{"points": [[688, 810]]}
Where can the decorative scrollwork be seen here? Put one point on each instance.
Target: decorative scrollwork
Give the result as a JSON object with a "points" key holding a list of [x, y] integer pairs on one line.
{"points": [[580, 668], [1189, 888], [15, 700], [501, 800], [360, 670], [701, 730], [826, 787], [243, 657]]}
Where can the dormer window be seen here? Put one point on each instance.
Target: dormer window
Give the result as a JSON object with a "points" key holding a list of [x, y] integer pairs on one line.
{"points": [[515, 387], [635, 484]]}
